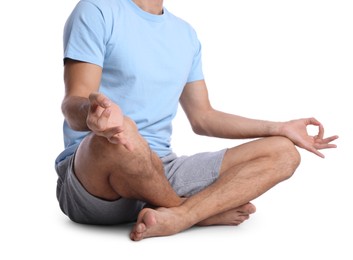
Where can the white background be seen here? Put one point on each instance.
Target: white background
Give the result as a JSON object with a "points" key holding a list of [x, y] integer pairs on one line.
{"points": [[276, 60]]}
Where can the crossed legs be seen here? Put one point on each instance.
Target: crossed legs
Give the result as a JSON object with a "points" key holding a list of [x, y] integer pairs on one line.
{"points": [[248, 171], [109, 171]]}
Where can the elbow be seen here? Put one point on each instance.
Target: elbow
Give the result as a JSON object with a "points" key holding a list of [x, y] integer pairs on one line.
{"points": [[72, 123], [198, 130], [201, 123], [67, 115], [64, 109], [199, 127], [72, 117]]}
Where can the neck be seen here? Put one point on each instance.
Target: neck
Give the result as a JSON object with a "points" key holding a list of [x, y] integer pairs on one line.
{"points": [[150, 6]]}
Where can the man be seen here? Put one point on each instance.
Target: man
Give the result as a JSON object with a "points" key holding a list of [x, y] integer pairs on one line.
{"points": [[128, 63]]}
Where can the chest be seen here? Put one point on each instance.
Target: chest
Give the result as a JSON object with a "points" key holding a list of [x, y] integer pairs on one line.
{"points": [[157, 53]]}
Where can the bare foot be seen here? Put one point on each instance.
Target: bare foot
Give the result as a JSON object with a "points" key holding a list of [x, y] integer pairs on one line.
{"points": [[170, 221], [158, 222], [232, 217]]}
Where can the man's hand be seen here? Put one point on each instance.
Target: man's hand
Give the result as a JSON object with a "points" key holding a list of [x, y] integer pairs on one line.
{"points": [[296, 130], [106, 119]]}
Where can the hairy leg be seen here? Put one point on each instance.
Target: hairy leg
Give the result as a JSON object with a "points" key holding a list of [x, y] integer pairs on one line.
{"points": [[248, 171], [231, 217], [110, 171]]}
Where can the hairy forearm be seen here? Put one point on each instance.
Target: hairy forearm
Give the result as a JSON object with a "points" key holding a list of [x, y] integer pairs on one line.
{"points": [[218, 124], [75, 110]]}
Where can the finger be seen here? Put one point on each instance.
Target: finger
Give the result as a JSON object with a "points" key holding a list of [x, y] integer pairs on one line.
{"points": [[324, 146], [315, 151], [318, 153], [118, 136], [326, 140], [321, 132], [120, 139], [313, 121], [97, 120], [102, 120], [330, 139], [113, 134], [99, 99]]}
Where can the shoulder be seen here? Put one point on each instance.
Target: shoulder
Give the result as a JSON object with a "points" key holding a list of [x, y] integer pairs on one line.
{"points": [[95, 13], [181, 22], [100, 4], [183, 26], [104, 8]]}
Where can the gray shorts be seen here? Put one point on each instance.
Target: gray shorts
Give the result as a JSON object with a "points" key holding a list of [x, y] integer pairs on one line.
{"points": [[187, 175]]}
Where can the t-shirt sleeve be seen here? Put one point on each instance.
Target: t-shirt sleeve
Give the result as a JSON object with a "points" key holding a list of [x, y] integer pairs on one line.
{"points": [[84, 34], [196, 72]]}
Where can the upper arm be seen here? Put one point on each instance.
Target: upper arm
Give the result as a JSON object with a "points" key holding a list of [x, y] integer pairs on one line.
{"points": [[195, 102], [85, 38], [81, 78]]}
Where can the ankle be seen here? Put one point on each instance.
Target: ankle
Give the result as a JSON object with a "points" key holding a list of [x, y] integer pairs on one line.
{"points": [[186, 213]]}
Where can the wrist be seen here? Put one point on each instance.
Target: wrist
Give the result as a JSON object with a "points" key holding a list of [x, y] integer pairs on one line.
{"points": [[276, 129]]}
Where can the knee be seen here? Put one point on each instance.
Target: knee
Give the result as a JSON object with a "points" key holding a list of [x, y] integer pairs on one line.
{"points": [[142, 164], [286, 155]]}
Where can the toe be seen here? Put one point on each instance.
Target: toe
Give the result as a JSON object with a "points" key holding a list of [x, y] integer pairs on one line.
{"points": [[247, 208]]}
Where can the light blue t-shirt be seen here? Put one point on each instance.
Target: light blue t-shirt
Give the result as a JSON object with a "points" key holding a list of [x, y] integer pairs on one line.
{"points": [[146, 59]]}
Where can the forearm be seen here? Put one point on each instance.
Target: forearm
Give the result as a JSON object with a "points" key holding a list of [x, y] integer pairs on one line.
{"points": [[75, 110], [218, 124]]}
